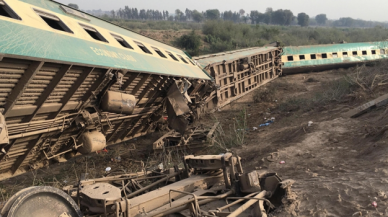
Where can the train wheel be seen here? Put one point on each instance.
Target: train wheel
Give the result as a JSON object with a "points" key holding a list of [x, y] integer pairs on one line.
{"points": [[41, 201]]}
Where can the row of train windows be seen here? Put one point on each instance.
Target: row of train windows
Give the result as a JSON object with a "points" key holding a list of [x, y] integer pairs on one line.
{"points": [[55, 23], [335, 55]]}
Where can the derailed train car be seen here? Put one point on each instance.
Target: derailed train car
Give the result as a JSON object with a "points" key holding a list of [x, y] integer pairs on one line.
{"points": [[236, 73], [298, 59], [72, 83]]}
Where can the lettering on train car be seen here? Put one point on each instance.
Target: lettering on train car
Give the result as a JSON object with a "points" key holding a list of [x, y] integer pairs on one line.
{"points": [[102, 52]]}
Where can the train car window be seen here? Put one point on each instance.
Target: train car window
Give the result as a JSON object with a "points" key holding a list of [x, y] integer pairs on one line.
{"points": [[190, 61], [290, 58], [354, 53], [183, 59], [335, 55], [324, 56], [143, 48], [121, 40], [313, 56], [172, 56], [302, 57], [7, 11], [373, 52], [53, 21], [93, 33], [364, 52], [159, 52], [345, 54], [382, 51]]}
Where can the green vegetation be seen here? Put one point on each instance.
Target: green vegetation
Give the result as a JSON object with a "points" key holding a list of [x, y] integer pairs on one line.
{"points": [[191, 43], [303, 19], [220, 36]]}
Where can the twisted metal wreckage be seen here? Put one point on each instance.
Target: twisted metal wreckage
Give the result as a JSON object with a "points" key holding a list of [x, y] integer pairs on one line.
{"points": [[209, 185]]}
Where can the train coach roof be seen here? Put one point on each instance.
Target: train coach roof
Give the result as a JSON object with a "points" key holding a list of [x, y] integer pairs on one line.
{"points": [[206, 60], [31, 38], [314, 49]]}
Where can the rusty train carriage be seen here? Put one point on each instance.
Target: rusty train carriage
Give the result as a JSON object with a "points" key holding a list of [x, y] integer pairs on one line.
{"points": [[239, 72]]}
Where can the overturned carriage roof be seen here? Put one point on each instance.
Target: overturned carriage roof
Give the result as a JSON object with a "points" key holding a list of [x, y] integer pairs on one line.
{"points": [[217, 58], [28, 36]]}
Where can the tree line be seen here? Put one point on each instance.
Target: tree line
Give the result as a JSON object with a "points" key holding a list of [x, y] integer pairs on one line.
{"points": [[269, 17]]}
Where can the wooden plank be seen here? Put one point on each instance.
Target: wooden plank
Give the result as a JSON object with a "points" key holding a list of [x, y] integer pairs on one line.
{"points": [[1, 57], [21, 86], [140, 84], [72, 90], [19, 161], [48, 90], [130, 79], [380, 101]]}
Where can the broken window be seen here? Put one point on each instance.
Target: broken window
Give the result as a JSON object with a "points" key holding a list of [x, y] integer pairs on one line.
{"points": [[382, 51], [93, 33], [345, 54], [290, 58], [143, 48], [123, 42], [183, 59], [324, 56], [53, 21], [335, 55], [313, 56], [373, 52], [354, 53], [6, 11], [302, 57], [159, 52], [364, 52], [172, 56]]}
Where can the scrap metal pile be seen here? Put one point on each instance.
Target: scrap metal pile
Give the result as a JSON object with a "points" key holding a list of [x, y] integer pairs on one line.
{"points": [[208, 185]]}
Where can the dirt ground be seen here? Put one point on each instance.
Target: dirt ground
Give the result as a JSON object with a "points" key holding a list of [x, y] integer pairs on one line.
{"points": [[338, 163]]}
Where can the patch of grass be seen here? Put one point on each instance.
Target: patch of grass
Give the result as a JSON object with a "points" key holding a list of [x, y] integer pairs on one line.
{"points": [[234, 136], [264, 95]]}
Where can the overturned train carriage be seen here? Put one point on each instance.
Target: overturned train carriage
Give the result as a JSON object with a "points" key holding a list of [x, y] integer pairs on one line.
{"points": [[71, 83], [237, 73], [297, 59]]}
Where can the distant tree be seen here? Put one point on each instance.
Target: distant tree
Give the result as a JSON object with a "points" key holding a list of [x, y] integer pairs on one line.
{"points": [[178, 15], [228, 15], [189, 14], [72, 5], [112, 12], [197, 16], [303, 19], [170, 18], [321, 19], [254, 16], [242, 12], [190, 42], [213, 14], [289, 17], [268, 16]]}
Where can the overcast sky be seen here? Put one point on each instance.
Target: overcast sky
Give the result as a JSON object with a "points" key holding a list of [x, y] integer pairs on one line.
{"points": [[374, 10]]}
